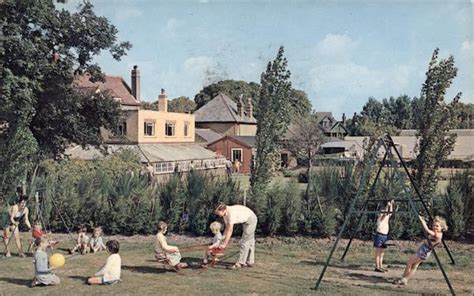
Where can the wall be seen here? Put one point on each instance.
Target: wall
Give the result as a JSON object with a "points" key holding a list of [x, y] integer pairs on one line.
{"points": [[132, 130], [224, 147], [160, 118], [247, 130]]}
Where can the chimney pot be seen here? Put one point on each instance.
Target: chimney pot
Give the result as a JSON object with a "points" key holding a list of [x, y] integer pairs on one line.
{"points": [[240, 107]]}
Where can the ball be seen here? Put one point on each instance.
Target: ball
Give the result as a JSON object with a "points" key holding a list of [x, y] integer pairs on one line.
{"points": [[57, 260]]}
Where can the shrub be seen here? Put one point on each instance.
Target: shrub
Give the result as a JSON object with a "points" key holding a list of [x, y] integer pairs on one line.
{"points": [[291, 208]]}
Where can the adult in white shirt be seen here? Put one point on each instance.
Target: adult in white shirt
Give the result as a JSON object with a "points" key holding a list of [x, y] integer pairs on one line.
{"points": [[238, 214]]}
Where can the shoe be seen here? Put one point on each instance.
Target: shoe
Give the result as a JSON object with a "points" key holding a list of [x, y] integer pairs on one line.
{"points": [[8, 255], [379, 270], [236, 266], [70, 251], [22, 255], [384, 269], [34, 283], [250, 265]]}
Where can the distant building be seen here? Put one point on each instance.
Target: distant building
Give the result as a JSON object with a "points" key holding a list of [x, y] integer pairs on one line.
{"points": [[330, 126], [163, 140], [226, 117], [236, 148]]}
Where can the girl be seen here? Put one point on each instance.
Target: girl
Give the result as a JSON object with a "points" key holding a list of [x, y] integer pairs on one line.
{"points": [[110, 273], [162, 249], [95, 243], [15, 215], [216, 240], [82, 241], [425, 248], [43, 274]]}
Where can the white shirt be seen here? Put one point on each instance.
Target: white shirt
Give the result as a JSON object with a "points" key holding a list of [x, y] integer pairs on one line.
{"points": [[111, 269], [238, 214]]}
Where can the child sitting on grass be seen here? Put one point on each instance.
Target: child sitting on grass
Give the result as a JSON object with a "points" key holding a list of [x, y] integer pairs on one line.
{"points": [[38, 232], [165, 251], [381, 236], [82, 245], [110, 273], [424, 249], [95, 243], [43, 274], [216, 240]]}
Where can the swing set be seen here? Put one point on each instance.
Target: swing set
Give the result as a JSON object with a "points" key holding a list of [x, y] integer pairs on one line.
{"points": [[393, 161]]}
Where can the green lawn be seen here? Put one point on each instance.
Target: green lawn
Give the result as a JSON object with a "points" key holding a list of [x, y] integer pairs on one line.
{"points": [[285, 266]]}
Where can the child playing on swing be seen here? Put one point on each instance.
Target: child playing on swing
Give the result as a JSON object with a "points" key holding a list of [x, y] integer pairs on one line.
{"points": [[95, 243], [165, 251], [82, 245], [216, 240], [381, 236], [43, 274], [424, 250], [109, 274]]}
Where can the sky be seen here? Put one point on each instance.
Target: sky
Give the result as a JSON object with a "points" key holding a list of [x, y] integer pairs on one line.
{"points": [[339, 52]]}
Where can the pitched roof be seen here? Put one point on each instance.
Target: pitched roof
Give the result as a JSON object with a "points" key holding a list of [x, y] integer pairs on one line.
{"points": [[207, 135], [115, 84], [222, 109], [248, 140]]}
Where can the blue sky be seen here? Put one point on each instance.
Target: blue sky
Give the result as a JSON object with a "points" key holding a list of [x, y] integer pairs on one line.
{"points": [[339, 52]]}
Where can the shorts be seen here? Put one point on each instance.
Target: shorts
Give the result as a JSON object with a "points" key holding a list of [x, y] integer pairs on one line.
{"points": [[107, 282], [423, 252], [380, 240]]}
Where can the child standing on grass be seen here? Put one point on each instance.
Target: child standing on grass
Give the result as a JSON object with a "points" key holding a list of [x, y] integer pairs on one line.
{"points": [[82, 245], [43, 274], [110, 273], [424, 249], [216, 240], [95, 243], [381, 236], [165, 251]]}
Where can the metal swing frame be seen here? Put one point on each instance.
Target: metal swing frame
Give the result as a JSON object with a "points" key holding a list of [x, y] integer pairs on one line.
{"points": [[389, 161]]}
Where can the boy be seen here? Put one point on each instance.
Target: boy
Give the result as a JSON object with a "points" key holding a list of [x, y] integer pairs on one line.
{"points": [[381, 236], [216, 240], [82, 241], [110, 273]]}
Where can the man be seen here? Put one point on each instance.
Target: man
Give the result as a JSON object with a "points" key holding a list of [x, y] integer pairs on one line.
{"points": [[238, 214]]}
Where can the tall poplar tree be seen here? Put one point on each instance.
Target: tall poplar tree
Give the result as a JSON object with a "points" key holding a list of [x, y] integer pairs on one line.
{"points": [[272, 122], [435, 119]]}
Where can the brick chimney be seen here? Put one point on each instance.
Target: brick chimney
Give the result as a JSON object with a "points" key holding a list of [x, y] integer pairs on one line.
{"points": [[163, 101], [136, 82], [343, 119], [240, 107], [249, 108]]}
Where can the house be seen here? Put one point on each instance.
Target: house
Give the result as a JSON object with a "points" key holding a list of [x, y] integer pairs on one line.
{"points": [[330, 126], [241, 148], [164, 141], [226, 117]]}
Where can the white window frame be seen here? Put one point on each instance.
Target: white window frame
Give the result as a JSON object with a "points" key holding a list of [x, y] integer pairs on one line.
{"points": [[241, 154], [145, 125], [173, 123]]}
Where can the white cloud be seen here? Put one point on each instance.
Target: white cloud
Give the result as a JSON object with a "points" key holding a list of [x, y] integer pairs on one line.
{"points": [[468, 46], [336, 46]]}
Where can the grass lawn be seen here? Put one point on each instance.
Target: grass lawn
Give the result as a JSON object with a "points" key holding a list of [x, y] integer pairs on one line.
{"points": [[285, 266]]}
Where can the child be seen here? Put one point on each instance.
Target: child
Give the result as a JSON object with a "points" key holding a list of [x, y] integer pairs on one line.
{"points": [[43, 274], [216, 241], [109, 274], [95, 243], [39, 232], [381, 236], [425, 248], [82, 241], [163, 250]]}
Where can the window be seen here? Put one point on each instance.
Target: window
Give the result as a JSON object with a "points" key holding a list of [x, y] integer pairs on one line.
{"points": [[237, 154], [149, 128], [169, 128], [186, 128], [122, 130]]}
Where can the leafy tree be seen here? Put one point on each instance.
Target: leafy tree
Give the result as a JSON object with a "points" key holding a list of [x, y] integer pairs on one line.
{"points": [[182, 105], [272, 122], [233, 88], [304, 141], [435, 120], [299, 102], [149, 105], [291, 208], [40, 111]]}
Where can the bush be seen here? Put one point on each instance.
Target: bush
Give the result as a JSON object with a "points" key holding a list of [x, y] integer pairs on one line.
{"points": [[272, 215], [454, 212], [291, 208]]}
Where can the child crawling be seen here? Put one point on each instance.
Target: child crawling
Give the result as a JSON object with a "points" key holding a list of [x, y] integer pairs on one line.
{"points": [[425, 248], [165, 251]]}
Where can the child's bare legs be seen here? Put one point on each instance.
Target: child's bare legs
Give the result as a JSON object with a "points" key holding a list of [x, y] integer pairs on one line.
{"points": [[96, 280], [410, 269]]}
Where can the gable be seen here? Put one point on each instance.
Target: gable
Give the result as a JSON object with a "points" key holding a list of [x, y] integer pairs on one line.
{"points": [[221, 109]]}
